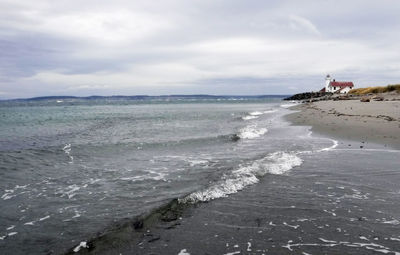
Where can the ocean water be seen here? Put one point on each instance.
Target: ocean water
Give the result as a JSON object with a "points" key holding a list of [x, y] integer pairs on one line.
{"points": [[72, 168]]}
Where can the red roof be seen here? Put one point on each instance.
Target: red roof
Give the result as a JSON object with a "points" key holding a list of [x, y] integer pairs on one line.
{"points": [[341, 84]]}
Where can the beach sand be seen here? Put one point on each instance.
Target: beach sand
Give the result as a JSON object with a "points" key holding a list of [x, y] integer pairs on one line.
{"points": [[367, 122]]}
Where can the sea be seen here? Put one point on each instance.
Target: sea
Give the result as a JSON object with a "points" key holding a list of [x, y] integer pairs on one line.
{"points": [[75, 172]]}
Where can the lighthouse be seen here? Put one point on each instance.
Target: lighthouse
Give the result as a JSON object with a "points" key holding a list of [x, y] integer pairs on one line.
{"points": [[333, 86], [328, 80]]}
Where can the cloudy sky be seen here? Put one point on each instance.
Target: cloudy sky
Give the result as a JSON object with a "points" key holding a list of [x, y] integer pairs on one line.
{"points": [[246, 47]]}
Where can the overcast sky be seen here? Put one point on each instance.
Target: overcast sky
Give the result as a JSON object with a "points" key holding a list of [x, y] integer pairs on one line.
{"points": [[229, 47]]}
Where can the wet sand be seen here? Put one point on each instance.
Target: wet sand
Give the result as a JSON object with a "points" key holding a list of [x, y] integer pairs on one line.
{"points": [[367, 122]]}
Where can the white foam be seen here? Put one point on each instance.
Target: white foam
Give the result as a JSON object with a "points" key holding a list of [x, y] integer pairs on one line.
{"points": [[183, 252], [251, 132], [256, 113], [71, 193], [291, 226], [44, 218], [335, 144], [8, 194], [393, 222], [77, 214], [67, 150], [330, 243], [248, 246], [274, 163], [249, 117], [81, 245], [152, 175], [289, 105], [326, 241], [232, 253], [195, 162]]}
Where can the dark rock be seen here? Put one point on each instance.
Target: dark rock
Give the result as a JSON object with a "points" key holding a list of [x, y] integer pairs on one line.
{"points": [[309, 95], [154, 239], [234, 137], [138, 224]]}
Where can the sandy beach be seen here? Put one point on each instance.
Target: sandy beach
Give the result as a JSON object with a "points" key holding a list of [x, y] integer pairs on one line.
{"points": [[365, 122]]}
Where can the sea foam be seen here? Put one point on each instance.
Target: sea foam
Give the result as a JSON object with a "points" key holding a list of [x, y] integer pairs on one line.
{"points": [[289, 105], [251, 132], [249, 117], [256, 114], [274, 163]]}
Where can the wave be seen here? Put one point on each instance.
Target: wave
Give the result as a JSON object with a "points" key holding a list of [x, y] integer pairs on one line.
{"points": [[274, 163], [251, 132], [150, 175], [127, 230], [256, 114], [289, 105], [223, 138], [249, 117]]}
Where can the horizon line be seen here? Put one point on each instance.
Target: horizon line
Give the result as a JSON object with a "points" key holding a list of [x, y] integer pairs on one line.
{"points": [[143, 96]]}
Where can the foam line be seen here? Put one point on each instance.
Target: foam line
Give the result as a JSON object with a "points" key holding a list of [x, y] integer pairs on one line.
{"points": [[275, 163]]}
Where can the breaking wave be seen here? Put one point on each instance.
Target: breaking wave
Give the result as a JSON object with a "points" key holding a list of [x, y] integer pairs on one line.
{"points": [[249, 117], [292, 103], [274, 163], [256, 114], [251, 132]]}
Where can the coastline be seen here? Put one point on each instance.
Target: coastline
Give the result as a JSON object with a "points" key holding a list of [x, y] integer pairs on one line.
{"points": [[320, 205], [370, 122]]}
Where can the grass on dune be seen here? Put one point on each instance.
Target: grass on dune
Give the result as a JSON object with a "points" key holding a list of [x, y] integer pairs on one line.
{"points": [[374, 90]]}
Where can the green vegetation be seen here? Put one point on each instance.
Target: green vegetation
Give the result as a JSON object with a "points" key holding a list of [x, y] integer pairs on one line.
{"points": [[374, 90]]}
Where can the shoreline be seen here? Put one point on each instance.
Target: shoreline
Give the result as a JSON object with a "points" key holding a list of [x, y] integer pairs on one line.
{"points": [[370, 122], [322, 201]]}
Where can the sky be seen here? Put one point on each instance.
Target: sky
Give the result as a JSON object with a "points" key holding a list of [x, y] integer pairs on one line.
{"points": [[219, 47]]}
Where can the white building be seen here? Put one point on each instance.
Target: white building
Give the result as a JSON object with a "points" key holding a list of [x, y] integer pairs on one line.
{"points": [[333, 86]]}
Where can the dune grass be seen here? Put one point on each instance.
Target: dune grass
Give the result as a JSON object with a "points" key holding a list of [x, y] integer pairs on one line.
{"points": [[374, 90]]}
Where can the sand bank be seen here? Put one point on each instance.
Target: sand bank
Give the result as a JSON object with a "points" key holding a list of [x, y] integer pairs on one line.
{"points": [[376, 122]]}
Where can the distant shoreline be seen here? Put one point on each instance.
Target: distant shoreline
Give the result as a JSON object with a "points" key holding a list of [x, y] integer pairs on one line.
{"points": [[143, 97], [376, 122]]}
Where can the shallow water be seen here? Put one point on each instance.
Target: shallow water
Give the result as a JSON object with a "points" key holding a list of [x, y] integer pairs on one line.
{"points": [[69, 170], [324, 206]]}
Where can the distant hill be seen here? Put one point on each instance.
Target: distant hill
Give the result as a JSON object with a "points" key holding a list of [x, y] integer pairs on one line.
{"points": [[145, 97]]}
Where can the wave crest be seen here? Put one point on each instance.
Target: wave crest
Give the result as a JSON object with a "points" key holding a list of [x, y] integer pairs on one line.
{"points": [[251, 132], [274, 163]]}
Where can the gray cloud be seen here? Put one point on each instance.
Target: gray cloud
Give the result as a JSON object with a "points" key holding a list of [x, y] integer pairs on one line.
{"points": [[213, 47]]}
